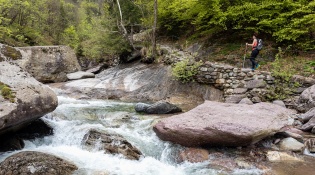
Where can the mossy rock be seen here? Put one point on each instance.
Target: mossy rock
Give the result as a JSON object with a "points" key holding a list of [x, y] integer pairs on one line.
{"points": [[10, 53], [6, 92]]}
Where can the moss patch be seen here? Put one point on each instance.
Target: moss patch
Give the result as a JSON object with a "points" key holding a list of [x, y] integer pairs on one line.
{"points": [[7, 93], [10, 52]]}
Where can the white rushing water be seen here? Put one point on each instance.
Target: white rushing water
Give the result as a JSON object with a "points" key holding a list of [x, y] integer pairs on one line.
{"points": [[74, 118]]}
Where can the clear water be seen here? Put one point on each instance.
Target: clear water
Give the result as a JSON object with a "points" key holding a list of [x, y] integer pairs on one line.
{"points": [[74, 118]]}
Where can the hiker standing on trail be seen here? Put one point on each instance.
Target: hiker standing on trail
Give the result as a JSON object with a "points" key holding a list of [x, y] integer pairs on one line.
{"points": [[255, 52]]}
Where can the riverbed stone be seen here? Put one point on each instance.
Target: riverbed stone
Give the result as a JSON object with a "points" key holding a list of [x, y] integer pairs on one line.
{"points": [[309, 145], [111, 143], [141, 107], [307, 99], [223, 124], [162, 107], [37, 163], [307, 116], [276, 156], [309, 125], [290, 144], [194, 155]]}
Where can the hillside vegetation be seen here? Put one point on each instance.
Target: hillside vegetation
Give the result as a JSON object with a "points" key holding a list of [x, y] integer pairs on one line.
{"points": [[101, 29]]}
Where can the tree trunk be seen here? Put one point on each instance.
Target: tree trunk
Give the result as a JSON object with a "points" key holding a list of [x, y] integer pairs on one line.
{"points": [[121, 19], [154, 29], [125, 33]]}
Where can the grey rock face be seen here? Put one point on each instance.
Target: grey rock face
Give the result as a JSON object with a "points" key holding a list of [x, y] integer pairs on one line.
{"points": [[222, 124], [49, 64], [140, 82], [112, 143], [32, 99], [35, 163]]}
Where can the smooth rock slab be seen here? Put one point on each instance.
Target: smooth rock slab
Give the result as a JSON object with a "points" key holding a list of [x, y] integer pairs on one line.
{"points": [[35, 163], [223, 124], [80, 75]]}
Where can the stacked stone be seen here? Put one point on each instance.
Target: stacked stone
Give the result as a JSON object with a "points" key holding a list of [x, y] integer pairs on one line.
{"points": [[237, 83]]}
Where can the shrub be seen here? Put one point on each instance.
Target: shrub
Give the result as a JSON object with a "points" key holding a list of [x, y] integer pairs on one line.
{"points": [[283, 87], [185, 70]]}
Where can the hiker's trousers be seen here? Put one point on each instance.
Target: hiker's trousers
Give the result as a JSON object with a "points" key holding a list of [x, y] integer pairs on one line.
{"points": [[252, 58]]}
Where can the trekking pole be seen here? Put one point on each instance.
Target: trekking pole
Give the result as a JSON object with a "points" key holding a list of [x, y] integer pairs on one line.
{"points": [[244, 56]]}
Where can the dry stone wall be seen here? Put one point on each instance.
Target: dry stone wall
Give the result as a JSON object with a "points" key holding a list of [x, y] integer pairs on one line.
{"points": [[236, 83]]}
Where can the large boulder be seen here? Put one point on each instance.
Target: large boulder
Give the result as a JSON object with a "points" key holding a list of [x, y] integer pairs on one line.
{"points": [[307, 99], [28, 99], [35, 163], [223, 124], [49, 64], [111, 143]]}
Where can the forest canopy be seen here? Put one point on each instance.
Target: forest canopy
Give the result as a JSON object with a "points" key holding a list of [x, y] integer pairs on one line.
{"points": [[94, 28]]}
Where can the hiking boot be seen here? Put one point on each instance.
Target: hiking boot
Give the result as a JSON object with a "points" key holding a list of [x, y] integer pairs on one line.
{"points": [[257, 66]]}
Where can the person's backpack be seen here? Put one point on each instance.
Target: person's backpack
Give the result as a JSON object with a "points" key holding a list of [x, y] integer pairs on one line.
{"points": [[259, 44]]}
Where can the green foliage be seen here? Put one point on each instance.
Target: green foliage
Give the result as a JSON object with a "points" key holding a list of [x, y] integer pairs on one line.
{"points": [[309, 68], [89, 27], [185, 70], [6, 92], [283, 86], [287, 21]]}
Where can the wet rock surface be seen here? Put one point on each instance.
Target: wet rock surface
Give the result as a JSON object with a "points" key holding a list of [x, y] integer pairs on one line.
{"points": [[111, 143], [15, 140], [160, 107], [37, 163], [194, 155]]}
